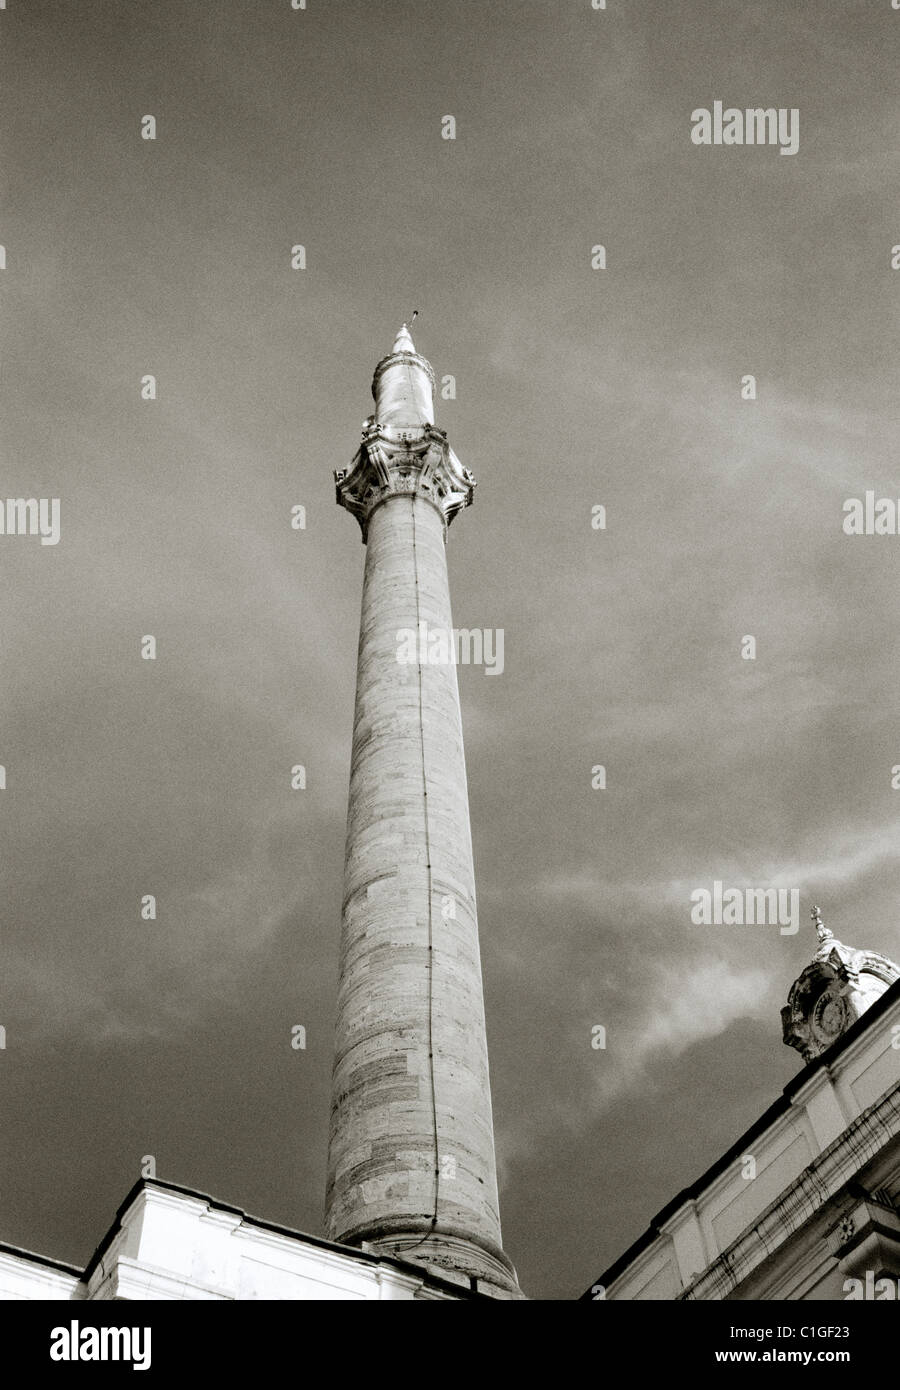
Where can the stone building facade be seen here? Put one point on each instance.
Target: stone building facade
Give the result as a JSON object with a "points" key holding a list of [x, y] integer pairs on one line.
{"points": [[807, 1200]]}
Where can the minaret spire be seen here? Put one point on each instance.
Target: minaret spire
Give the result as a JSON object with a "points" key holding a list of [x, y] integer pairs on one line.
{"points": [[403, 386], [411, 1167], [403, 341]]}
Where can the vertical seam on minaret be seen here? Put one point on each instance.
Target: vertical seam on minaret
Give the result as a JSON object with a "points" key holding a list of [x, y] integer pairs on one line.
{"points": [[412, 390], [437, 1166]]}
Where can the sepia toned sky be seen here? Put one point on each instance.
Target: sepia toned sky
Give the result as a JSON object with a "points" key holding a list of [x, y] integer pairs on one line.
{"points": [[575, 387]]}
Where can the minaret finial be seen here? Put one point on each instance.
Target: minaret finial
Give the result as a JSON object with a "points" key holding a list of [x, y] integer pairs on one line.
{"points": [[822, 932]]}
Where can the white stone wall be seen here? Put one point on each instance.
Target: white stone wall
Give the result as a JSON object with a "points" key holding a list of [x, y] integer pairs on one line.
{"points": [[174, 1246], [30, 1279]]}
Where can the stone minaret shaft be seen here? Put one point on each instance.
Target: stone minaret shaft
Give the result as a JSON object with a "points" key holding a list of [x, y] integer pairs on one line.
{"points": [[411, 1168]]}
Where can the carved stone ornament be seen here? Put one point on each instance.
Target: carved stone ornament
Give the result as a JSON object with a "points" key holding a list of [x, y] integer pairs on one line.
{"points": [[834, 990], [390, 462]]}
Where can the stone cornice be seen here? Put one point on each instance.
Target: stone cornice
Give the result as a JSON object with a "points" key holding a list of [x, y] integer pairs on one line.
{"points": [[415, 461]]}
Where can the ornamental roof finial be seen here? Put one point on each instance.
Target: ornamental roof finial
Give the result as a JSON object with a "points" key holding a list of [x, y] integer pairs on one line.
{"points": [[825, 934], [834, 990]]}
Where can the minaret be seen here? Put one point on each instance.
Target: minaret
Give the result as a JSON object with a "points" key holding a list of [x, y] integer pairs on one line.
{"points": [[411, 1168]]}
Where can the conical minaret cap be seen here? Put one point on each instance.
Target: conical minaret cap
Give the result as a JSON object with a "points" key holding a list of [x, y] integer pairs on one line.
{"points": [[403, 341], [403, 386]]}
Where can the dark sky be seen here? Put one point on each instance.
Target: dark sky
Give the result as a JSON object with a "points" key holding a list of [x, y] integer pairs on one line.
{"points": [[574, 387]]}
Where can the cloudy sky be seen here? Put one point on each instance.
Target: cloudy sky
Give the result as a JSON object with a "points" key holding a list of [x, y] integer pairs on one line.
{"points": [[575, 387]]}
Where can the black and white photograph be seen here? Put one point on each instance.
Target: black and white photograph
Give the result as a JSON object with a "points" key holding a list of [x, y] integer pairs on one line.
{"points": [[450, 649]]}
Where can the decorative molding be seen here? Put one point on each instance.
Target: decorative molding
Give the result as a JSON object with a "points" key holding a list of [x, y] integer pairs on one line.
{"points": [[834, 991], [868, 1240], [416, 461]]}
